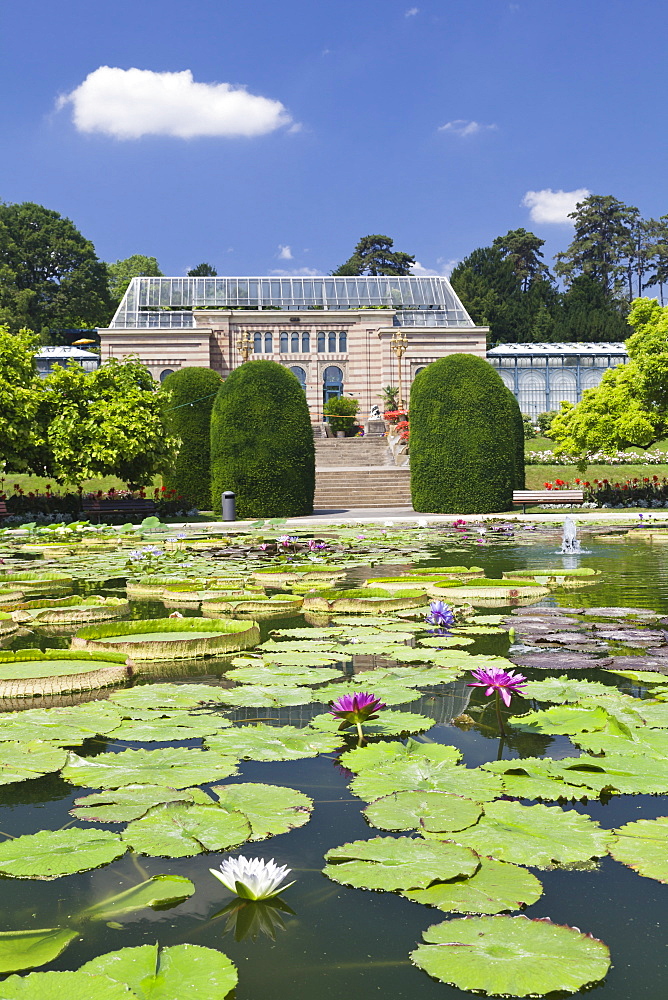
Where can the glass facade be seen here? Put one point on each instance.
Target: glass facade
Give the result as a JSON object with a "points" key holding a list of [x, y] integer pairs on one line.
{"points": [[169, 302]]}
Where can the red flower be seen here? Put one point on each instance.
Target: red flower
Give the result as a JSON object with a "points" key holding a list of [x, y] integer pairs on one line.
{"points": [[162, 489]]}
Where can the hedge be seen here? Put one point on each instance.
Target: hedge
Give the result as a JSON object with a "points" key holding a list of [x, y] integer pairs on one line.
{"points": [[262, 443], [188, 415], [464, 430], [518, 424]]}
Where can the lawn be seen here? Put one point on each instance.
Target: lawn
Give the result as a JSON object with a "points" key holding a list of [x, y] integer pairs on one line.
{"points": [[538, 475]]}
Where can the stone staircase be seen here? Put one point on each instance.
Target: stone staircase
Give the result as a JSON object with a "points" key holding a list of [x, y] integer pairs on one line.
{"points": [[358, 473]]}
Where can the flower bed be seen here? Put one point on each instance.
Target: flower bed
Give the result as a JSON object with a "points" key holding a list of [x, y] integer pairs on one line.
{"points": [[655, 457], [646, 492]]}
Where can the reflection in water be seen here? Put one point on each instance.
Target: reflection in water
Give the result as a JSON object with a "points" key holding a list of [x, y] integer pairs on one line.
{"points": [[247, 918]]}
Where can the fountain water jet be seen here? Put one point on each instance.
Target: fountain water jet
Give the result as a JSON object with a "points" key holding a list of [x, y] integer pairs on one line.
{"points": [[569, 540]]}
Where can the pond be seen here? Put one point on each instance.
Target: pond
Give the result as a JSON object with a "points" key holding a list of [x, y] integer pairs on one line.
{"points": [[325, 938]]}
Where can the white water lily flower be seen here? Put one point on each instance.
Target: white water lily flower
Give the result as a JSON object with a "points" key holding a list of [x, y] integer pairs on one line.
{"points": [[252, 878]]}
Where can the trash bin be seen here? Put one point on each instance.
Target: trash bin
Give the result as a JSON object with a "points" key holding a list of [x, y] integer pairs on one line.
{"points": [[229, 506]]}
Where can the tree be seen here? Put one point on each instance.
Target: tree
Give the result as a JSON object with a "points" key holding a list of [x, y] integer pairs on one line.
{"points": [[467, 438], [50, 276], [191, 393], [202, 271], [600, 246], [523, 250], [106, 423], [658, 254], [374, 255], [630, 406], [587, 314], [262, 442], [123, 271], [21, 398]]}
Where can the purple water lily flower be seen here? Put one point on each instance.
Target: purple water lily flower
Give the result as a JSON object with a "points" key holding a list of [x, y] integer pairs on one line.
{"points": [[504, 682], [440, 614], [357, 708]]}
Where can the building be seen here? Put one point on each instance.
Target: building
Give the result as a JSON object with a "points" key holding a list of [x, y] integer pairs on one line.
{"points": [[542, 376], [335, 334], [48, 358]]}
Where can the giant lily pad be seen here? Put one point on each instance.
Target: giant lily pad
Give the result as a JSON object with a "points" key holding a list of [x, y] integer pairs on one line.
{"points": [[174, 768], [496, 886], [30, 949], [181, 830], [121, 805], [535, 835], [159, 891], [263, 742], [270, 809], [435, 812], [52, 853], [184, 970], [511, 956], [391, 863], [643, 846], [168, 638]]}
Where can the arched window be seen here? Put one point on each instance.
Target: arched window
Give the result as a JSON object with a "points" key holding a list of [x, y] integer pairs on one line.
{"points": [[257, 343], [321, 342], [331, 342], [301, 375], [332, 382], [284, 343], [418, 370], [165, 373], [343, 342], [294, 342], [268, 344], [306, 343]]}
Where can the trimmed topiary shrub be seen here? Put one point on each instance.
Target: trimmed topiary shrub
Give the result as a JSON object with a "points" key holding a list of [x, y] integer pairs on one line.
{"points": [[464, 451], [262, 443], [188, 416], [520, 437]]}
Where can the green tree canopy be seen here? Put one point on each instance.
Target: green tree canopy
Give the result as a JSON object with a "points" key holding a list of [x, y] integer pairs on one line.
{"points": [[106, 423], [21, 398], [50, 276], [375, 255], [123, 271], [523, 250], [586, 314], [202, 271], [601, 243], [630, 406]]}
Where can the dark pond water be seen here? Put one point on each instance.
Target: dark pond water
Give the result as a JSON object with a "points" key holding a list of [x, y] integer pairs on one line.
{"points": [[347, 943]]}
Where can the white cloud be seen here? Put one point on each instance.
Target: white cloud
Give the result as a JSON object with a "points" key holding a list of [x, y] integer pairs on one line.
{"points": [[284, 252], [305, 272], [443, 270], [553, 206], [462, 127], [412, 11], [128, 104]]}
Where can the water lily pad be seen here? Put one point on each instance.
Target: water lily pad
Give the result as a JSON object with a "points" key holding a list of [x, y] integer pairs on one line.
{"points": [[181, 830], [363, 758], [654, 714], [388, 692], [60, 726], [268, 696], [121, 805], [56, 985], [152, 973], [564, 689], [511, 956], [52, 853], [263, 742], [496, 886], [167, 696], [32, 948], [644, 741], [537, 835], [22, 761], [426, 775], [168, 727], [567, 720], [391, 863], [270, 809], [630, 775], [388, 723], [174, 768], [281, 673], [435, 812], [160, 891], [643, 846]]}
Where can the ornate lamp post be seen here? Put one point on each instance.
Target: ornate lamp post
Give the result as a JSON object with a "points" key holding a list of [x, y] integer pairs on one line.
{"points": [[245, 345], [399, 345]]}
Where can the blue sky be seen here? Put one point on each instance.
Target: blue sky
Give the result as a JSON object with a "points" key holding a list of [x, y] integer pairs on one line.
{"points": [[428, 121]]}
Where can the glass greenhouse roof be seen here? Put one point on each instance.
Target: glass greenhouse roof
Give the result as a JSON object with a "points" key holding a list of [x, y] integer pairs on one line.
{"points": [[533, 350], [169, 302]]}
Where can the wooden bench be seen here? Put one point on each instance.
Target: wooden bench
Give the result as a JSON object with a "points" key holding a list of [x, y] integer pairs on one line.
{"points": [[524, 498], [127, 507], [3, 509]]}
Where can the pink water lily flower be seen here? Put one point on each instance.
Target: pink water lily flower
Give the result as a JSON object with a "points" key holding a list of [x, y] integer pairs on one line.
{"points": [[495, 679]]}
